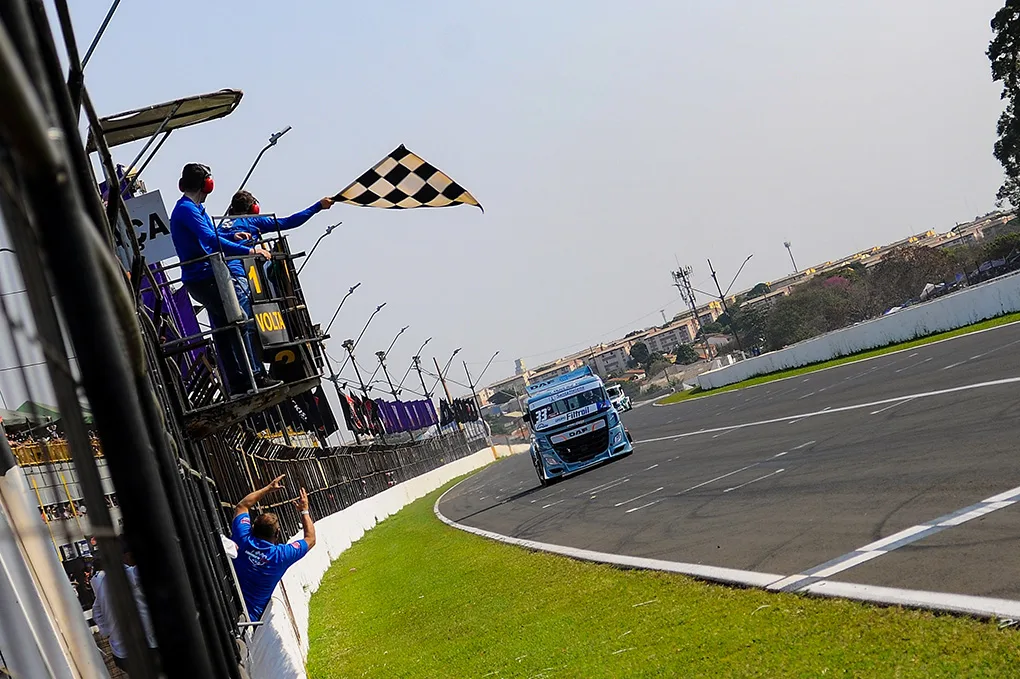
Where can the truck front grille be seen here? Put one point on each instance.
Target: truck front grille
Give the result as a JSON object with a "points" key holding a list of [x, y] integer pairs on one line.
{"points": [[584, 447]]}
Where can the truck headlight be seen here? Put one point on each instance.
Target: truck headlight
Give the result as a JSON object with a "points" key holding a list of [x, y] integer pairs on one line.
{"points": [[550, 460]]}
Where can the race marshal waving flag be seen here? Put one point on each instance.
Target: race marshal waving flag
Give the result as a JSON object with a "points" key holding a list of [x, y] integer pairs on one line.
{"points": [[403, 180]]}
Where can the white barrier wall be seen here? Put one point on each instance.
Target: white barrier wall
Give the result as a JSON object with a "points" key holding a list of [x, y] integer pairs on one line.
{"points": [[279, 647], [970, 305]]}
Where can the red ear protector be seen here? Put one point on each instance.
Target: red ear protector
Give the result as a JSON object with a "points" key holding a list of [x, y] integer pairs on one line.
{"points": [[208, 184], [254, 208]]}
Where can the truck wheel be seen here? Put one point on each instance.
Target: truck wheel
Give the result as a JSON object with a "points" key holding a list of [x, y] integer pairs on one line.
{"points": [[630, 439]]}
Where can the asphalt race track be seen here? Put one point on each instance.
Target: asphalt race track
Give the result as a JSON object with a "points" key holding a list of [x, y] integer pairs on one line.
{"points": [[802, 477]]}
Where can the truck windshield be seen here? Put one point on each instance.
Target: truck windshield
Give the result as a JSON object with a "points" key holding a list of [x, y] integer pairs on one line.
{"points": [[614, 392], [552, 413]]}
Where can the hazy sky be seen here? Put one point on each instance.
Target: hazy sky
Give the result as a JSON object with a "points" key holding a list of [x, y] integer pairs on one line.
{"points": [[603, 139]]}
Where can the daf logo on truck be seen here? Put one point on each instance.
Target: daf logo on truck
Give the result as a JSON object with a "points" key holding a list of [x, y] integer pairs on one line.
{"points": [[575, 425]]}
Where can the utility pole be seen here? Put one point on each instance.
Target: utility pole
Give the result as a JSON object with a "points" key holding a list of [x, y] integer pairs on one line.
{"points": [[793, 261], [726, 309], [682, 282]]}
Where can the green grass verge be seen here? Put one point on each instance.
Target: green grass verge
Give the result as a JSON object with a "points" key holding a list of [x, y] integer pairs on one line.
{"points": [[793, 372], [416, 598]]}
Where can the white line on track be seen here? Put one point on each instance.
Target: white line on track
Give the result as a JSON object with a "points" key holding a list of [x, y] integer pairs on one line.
{"points": [[804, 445], [913, 365], [600, 486], [653, 502], [552, 504], [722, 434], [605, 487], [718, 478], [778, 471], [778, 455], [842, 409], [638, 497], [652, 467], [894, 405]]}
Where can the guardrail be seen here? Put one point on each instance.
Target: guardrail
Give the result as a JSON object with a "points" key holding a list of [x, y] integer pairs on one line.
{"points": [[977, 303]]}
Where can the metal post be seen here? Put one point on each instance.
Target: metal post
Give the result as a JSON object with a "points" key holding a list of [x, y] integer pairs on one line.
{"points": [[335, 379], [329, 230], [417, 366], [792, 260], [382, 362], [449, 399], [726, 309], [349, 346]]}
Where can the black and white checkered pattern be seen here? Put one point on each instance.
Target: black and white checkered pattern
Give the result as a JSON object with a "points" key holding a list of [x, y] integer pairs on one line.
{"points": [[403, 180]]}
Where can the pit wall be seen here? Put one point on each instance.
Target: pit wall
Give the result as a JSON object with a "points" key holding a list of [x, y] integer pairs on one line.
{"points": [[970, 305], [278, 649]]}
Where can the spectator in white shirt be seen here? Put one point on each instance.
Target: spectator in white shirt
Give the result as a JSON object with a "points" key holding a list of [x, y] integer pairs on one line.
{"points": [[104, 617]]}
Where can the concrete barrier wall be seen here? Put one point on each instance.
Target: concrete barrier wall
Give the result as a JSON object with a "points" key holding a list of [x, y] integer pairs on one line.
{"points": [[970, 305], [278, 648]]}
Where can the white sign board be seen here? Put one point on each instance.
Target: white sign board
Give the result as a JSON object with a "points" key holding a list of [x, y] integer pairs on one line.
{"points": [[152, 226]]}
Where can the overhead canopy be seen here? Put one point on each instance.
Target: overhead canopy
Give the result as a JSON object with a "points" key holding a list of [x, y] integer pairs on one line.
{"points": [[142, 123]]}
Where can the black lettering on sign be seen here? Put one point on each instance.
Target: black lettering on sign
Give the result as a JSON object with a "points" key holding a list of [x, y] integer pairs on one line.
{"points": [[141, 234], [156, 226]]}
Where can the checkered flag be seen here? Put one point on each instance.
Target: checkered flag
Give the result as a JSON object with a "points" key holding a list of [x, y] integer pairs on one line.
{"points": [[403, 180]]}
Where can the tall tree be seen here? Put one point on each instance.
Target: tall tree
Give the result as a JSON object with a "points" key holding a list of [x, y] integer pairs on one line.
{"points": [[1004, 53], [639, 353]]}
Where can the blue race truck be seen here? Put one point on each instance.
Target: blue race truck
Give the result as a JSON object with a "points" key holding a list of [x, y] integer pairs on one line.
{"points": [[573, 425]]}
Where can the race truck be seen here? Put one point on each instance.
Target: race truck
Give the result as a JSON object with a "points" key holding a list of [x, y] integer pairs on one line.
{"points": [[618, 398], [573, 425]]}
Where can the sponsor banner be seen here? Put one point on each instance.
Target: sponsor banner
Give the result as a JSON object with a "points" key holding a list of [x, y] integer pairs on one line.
{"points": [[536, 387], [580, 431], [560, 395], [544, 422]]}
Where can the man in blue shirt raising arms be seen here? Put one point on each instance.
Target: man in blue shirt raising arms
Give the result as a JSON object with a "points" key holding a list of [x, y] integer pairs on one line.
{"points": [[194, 236], [261, 559]]}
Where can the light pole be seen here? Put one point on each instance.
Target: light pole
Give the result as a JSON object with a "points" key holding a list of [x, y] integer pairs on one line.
{"points": [[442, 373], [722, 297], [387, 353], [381, 355], [793, 261], [416, 364], [339, 307], [357, 341], [473, 383], [273, 138], [349, 345], [333, 377], [329, 230]]}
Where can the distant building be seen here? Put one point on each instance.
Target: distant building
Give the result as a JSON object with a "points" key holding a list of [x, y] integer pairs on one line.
{"points": [[611, 360], [519, 367], [664, 341]]}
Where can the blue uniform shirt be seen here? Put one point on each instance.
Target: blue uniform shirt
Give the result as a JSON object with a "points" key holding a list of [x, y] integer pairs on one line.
{"points": [[195, 235], [256, 226], [260, 564]]}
